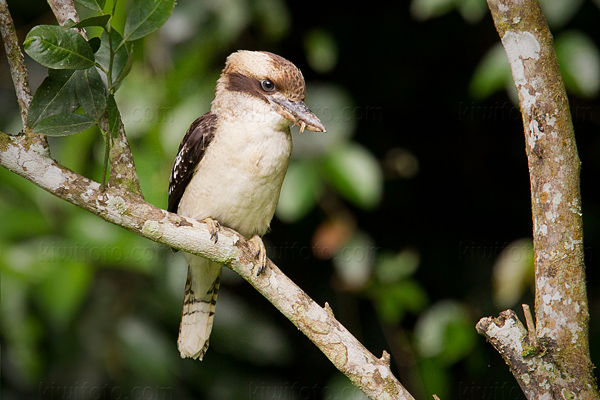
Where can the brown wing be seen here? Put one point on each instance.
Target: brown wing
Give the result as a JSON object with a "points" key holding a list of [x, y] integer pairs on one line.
{"points": [[191, 151]]}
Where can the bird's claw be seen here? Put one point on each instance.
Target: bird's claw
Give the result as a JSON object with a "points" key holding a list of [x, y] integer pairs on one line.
{"points": [[213, 227], [260, 254]]}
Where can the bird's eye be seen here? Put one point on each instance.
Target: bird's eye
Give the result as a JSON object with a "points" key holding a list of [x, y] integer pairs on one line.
{"points": [[267, 85]]}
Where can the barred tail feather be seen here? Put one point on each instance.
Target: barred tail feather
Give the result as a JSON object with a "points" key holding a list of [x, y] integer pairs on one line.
{"points": [[200, 299]]}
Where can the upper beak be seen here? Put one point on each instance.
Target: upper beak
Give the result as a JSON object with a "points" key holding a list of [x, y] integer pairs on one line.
{"points": [[298, 113]]}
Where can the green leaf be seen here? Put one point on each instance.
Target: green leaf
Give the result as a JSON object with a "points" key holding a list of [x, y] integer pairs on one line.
{"points": [[64, 124], [579, 61], [55, 95], [95, 43], [394, 267], [58, 48], [146, 16], [300, 191], [100, 20], [114, 116], [558, 12], [355, 173], [512, 272], [124, 71], [321, 50], [354, 261], [91, 92], [96, 5], [395, 300], [472, 11], [445, 331], [422, 10], [121, 53], [492, 74]]}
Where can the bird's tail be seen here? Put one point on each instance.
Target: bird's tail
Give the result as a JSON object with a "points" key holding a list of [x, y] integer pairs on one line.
{"points": [[198, 311]]}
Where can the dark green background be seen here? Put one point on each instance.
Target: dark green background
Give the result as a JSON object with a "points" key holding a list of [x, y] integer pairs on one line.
{"points": [[90, 311]]}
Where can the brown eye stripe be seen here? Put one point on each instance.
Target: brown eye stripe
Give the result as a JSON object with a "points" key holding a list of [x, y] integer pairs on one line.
{"points": [[237, 82]]}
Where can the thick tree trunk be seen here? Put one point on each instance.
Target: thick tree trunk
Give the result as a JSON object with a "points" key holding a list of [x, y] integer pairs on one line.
{"points": [[553, 361]]}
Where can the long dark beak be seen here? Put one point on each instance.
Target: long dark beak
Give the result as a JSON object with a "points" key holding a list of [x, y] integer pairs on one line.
{"points": [[298, 113]]}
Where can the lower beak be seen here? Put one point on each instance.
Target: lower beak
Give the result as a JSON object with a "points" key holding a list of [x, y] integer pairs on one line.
{"points": [[299, 114]]}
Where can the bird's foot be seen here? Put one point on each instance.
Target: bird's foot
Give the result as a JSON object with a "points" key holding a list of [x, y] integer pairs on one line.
{"points": [[260, 254], [213, 227]]}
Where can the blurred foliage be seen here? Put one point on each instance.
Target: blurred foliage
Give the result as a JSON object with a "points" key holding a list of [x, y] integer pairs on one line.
{"points": [[370, 217], [578, 57], [513, 272]]}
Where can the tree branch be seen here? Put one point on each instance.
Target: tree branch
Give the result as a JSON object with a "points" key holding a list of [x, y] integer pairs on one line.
{"points": [[561, 302], [509, 337], [64, 10], [16, 61], [116, 205], [122, 167], [123, 205]]}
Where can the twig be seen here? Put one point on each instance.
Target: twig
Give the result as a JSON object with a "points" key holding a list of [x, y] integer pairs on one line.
{"points": [[385, 357], [531, 333]]}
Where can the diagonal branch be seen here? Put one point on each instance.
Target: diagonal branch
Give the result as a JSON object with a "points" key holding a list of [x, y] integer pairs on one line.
{"points": [[371, 374], [561, 301]]}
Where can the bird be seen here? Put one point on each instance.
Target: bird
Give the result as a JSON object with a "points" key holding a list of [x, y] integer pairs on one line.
{"points": [[229, 170]]}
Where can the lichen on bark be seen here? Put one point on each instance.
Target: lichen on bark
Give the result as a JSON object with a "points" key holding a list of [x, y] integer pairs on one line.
{"points": [[561, 300]]}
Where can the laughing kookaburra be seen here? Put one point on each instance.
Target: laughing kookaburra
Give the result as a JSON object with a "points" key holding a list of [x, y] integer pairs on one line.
{"points": [[230, 168]]}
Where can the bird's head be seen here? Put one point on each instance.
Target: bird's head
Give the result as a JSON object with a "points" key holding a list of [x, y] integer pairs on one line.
{"points": [[272, 80]]}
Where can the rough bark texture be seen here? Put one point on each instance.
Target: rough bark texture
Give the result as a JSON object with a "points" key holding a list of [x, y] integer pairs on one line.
{"points": [[122, 167], [18, 70], [560, 367], [508, 336], [64, 11], [122, 204]]}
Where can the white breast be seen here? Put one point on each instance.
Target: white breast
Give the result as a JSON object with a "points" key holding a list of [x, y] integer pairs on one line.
{"points": [[240, 176]]}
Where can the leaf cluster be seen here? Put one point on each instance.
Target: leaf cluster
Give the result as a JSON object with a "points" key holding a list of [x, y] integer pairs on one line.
{"points": [[84, 74]]}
